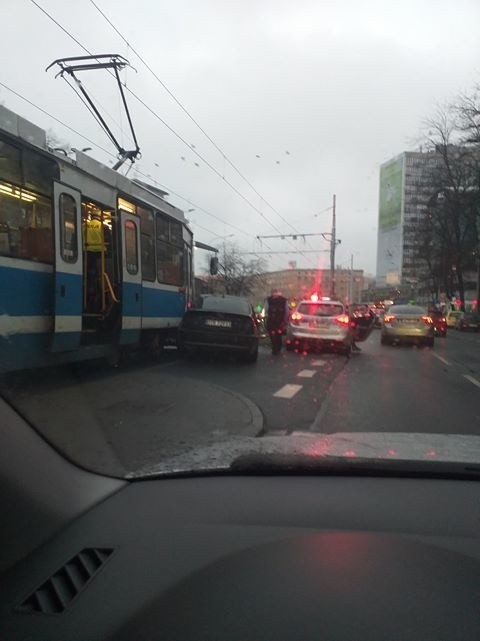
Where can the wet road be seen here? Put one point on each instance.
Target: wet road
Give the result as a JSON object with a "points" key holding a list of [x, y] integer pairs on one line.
{"points": [[117, 420]]}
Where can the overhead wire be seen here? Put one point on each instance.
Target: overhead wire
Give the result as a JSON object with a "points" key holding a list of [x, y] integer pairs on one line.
{"points": [[171, 129], [109, 153], [191, 117]]}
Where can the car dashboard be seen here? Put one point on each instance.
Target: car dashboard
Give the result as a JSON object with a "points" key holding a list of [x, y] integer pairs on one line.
{"points": [[237, 557]]}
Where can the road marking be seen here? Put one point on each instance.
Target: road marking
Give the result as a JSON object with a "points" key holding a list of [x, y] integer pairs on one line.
{"points": [[306, 373], [472, 380], [440, 358], [288, 391], [317, 363]]}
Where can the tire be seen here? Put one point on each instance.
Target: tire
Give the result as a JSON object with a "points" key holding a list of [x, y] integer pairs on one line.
{"points": [[347, 350], [384, 340], [429, 342]]}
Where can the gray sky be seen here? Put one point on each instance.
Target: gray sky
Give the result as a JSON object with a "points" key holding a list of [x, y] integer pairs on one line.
{"points": [[341, 86]]}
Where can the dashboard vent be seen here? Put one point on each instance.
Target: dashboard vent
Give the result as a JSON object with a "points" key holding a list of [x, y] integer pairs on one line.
{"points": [[56, 594]]}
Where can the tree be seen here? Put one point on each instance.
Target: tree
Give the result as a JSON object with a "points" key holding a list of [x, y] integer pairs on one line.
{"points": [[449, 234], [237, 276]]}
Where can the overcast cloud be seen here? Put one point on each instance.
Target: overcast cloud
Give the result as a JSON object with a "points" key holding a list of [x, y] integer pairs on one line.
{"points": [[341, 86]]}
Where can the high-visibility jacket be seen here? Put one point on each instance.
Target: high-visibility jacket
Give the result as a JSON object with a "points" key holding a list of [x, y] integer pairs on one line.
{"points": [[93, 235]]}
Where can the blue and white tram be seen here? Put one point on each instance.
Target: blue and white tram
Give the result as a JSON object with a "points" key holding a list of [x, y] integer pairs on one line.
{"points": [[62, 297]]}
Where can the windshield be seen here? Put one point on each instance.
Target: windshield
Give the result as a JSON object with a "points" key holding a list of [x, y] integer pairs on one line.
{"points": [[319, 309], [225, 236], [227, 304], [407, 309]]}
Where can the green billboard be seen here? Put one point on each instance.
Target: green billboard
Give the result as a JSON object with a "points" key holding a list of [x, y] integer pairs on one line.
{"points": [[390, 206]]}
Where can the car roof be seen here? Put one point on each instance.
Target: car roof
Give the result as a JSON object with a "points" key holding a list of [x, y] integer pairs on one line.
{"points": [[320, 302]]}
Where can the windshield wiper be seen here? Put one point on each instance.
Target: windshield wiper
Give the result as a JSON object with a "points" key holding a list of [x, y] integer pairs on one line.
{"points": [[298, 464]]}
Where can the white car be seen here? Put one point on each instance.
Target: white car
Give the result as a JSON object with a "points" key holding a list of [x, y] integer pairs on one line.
{"points": [[322, 322]]}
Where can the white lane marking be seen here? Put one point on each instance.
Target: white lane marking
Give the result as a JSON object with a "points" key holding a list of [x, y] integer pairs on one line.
{"points": [[440, 358], [472, 380], [288, 391], [306, 373], [317, 363]]}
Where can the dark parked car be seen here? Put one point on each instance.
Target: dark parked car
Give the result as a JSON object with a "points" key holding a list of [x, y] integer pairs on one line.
{"points": [[439, 322], [221, 323], [468, 322]]}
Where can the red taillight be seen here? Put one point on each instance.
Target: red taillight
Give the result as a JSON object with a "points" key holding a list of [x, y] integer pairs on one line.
{"points": [[343, 319], [388, 318], [427, 319], [295, 317]]}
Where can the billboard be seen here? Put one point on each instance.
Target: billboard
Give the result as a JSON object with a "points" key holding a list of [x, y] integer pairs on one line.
{"points": [[390, 203]]}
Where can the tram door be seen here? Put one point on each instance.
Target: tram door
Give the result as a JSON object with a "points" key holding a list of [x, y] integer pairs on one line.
{"points": [[131, 279], [68, 269]]}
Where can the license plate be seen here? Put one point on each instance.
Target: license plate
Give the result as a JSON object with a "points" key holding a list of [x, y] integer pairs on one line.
{"points": [[218, 323], [321, 323]]}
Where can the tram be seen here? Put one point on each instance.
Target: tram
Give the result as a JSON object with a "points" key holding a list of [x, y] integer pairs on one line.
{"points": [[62, 297]]}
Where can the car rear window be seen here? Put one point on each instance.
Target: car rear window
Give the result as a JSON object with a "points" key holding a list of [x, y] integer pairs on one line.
{"points": [[228, 305], [320, 309], [407, 309]]}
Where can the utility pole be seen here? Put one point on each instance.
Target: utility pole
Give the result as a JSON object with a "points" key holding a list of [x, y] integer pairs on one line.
{"points": [[351, 280], [333, 243]]}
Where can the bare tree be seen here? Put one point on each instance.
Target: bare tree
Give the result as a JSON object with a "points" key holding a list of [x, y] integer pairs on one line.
{"points": [[449, 230], [237, 276]]}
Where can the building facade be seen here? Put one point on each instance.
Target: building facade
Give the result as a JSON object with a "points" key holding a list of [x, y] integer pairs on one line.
{"points": [[406, 185], [302, 283]]}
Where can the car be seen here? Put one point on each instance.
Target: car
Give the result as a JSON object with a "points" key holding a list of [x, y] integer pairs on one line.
{"points": [[221, 324], [407, 323], [439, 322], [320, 322], [468, 322], [452, 316], [379, 314]]}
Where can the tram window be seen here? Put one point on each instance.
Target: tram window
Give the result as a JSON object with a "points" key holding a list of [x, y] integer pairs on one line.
{"points": [[131, 254], [39, 172], [146, 221], [147, 242], [25, 224], [68, 228], [162, 228], [176, 234], [10, 167], [169, 264]]}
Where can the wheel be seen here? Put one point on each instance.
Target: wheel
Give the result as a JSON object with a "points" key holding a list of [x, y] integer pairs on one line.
{"points": [[384, 340], [429, 342]]}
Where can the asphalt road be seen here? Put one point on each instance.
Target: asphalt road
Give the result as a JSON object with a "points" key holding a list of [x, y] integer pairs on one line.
{"points": [[383, 388], [118, 420]]}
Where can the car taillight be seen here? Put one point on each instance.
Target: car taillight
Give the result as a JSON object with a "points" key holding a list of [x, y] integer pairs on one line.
{"points": [[296, 316], [388, 318], [343, 319], [427, 319]]}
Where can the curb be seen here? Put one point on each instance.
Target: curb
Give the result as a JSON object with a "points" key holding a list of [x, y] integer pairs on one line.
{"points": [[256, 425]]}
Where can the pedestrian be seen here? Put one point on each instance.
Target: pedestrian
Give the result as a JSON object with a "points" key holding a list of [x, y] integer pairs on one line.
{"points": [[276, 312], [94, 245]]}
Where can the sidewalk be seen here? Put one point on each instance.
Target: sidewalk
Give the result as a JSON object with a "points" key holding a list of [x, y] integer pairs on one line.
{"points": [[118, 421]]}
